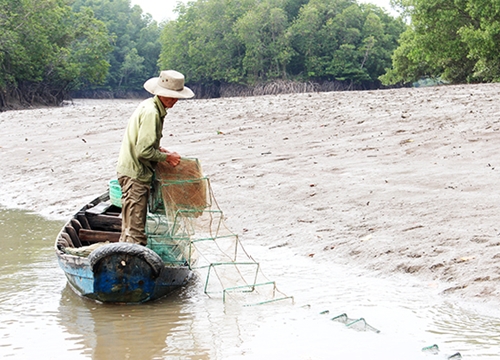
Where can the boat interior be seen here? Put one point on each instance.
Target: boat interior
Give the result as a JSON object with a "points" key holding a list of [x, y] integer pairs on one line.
{"points": [[95, 223]]}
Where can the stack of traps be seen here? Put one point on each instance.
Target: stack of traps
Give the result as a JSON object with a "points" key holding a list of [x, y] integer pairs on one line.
{"points": [[186, 227]]}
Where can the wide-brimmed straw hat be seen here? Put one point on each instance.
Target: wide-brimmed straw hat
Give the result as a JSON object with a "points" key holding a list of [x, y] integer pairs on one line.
{"points": [[170, 83]]}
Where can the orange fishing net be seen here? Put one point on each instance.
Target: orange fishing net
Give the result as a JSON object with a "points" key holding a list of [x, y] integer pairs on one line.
{"points": [[183, 186]]}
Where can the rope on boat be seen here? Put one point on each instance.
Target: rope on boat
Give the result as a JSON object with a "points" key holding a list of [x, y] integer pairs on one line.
{"points": [[82, 251]]}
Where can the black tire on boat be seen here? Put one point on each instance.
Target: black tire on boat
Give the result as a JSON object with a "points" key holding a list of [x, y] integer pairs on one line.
{"points": [[140, 251]]}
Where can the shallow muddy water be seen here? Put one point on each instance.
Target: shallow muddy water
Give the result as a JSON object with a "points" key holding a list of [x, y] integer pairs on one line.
{"points": [[41, 317]]}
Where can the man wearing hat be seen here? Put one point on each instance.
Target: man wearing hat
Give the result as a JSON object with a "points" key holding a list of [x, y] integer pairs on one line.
{"points": [[140, 151]]}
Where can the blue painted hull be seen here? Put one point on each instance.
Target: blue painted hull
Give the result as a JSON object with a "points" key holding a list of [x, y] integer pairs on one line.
{"points": [[117, 272], [109, 285]]}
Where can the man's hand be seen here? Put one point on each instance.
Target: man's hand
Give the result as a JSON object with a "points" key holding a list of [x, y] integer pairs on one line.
{"points": [[172, 157]]}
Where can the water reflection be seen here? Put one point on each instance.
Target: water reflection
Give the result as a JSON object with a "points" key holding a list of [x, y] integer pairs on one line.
{"points": [[466, 329], [23, 237], [127, 332], [40, 314], [411, 314], [29, 284]]}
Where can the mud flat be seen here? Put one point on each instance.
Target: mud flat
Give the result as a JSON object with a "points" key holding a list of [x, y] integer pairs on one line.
{"points": [[393, 181]]}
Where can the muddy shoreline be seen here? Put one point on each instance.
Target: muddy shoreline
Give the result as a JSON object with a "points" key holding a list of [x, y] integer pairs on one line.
{"points": [[392, 181]]}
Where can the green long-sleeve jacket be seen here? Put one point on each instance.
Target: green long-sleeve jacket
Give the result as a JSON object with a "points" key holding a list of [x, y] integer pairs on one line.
{"points": [[139, 151]]}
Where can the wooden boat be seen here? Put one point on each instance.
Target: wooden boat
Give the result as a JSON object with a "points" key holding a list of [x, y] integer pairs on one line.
{"points": [[99, 267]]}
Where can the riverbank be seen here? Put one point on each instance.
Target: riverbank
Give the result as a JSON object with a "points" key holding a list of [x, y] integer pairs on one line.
{"points": [[393, 181]]}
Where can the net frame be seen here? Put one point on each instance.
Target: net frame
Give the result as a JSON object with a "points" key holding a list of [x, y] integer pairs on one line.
{"points": [[186, 227]]}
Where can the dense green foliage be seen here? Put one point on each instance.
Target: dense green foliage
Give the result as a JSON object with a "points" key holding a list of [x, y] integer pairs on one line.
{"points": [[46, 48], [252, 41], [135, 39], [51, 47], [455, 40]]}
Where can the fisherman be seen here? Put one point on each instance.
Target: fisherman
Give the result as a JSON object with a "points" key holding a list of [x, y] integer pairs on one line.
{"points": [[141, 151]]}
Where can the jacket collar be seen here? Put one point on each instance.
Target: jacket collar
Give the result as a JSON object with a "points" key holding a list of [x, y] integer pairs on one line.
{"points": [[159, 105]]}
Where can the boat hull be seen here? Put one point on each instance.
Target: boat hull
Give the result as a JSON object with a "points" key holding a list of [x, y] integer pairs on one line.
{"points": [[109, 281], [117, 272]]}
